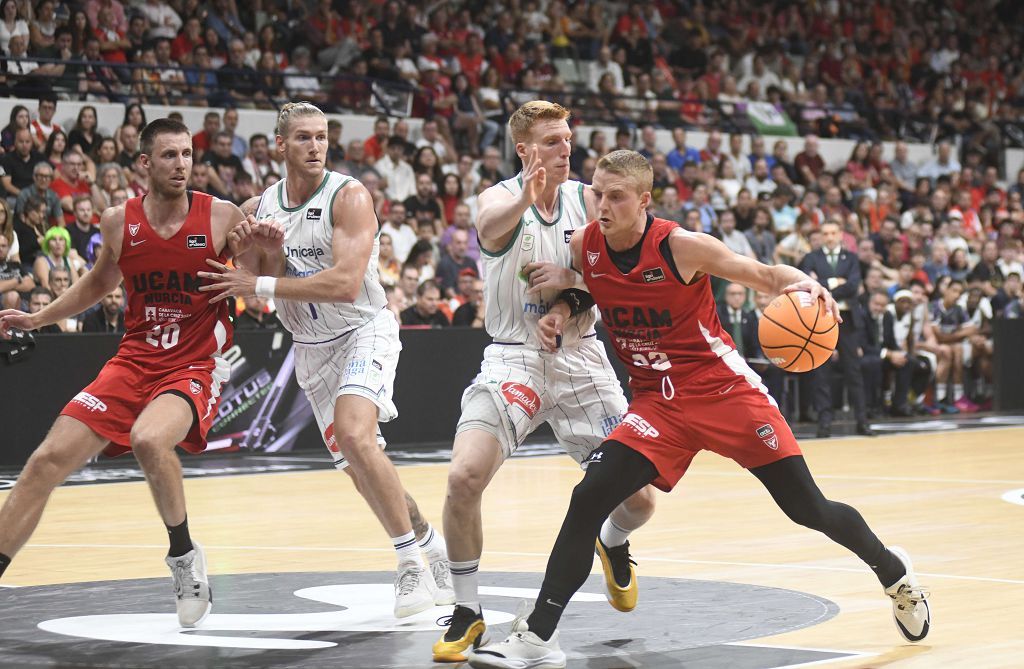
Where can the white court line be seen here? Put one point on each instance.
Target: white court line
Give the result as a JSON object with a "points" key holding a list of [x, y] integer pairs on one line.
{"points": [[349, 549], [847, 654]]}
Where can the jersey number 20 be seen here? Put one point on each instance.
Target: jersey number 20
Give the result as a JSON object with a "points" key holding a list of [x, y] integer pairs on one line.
{"points": [[168, 338]]}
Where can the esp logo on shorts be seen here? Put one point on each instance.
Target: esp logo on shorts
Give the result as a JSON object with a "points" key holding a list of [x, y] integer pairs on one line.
{"points": [[767, 434], [641, 426], [195, 242], [330, 441], [195, 387], [522, 396]]}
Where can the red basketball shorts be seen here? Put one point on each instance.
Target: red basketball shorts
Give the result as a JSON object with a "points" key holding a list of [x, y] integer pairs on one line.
{"points": [[112, 403], [728, 413]]}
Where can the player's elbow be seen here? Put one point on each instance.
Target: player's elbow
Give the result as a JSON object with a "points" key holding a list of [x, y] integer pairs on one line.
{"points": [[345, 290]]}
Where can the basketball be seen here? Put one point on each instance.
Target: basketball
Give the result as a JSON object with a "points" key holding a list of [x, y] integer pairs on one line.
{"points": [[797, 334]]}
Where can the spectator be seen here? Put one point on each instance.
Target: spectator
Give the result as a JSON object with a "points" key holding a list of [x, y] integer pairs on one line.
{"points": [[19, 119], [82, 227], [388, 267], [202, 139], [472, 313], [740, 163], [739, 321], [943, 165], [952, 327], [682, 153], [224, 21], [885, 356], [225, 165], [199, 180], [164, 22], [432, 137], [109, 317], [808, 163], [1007, 300], [7, 232], [760, 182], [70, 183], [18, 165], [423, 205], [57, 252], [425, 312], [238, 145], [257, 316], [239, 83], [605, 65], [397, 173], [39, 299], [43, 126], [128, 141], [112, 36], [42, 179], [784, 214], [258, 163], [668, 205], [298, 81], [699, 202], [13, 279], [110, 179], [335, 149], [453, 261], [10, 24], [792, 248]]}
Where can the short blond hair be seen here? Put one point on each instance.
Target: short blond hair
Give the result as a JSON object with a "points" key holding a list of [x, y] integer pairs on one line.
{"points": [[631, 165], [294, 110], [520, 124]]}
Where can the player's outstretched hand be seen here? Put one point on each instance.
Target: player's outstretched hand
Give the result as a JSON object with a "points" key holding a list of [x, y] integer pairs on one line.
{"points": [[534, 176], [12, 319], [549, 276], [228, 281], [240, 238], [549, 330], [818, 292]]}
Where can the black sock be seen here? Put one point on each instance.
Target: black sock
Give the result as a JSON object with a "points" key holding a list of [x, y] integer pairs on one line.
{"points": [[181, 542], [4, 562], [887, 567], [546, 614]]}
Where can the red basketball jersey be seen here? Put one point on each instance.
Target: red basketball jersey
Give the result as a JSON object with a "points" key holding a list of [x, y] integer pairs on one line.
{"points": [[169, 323], [659, 326]]}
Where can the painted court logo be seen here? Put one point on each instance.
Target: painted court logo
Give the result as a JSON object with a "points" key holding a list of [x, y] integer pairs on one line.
{"points": [[522, 396]]}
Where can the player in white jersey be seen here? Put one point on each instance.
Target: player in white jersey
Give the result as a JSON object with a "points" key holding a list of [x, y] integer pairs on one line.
{"points": [[345, 340], [524, 226]]}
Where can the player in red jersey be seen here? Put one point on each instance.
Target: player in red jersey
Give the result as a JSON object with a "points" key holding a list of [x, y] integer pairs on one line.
{"points": [[161, 387], [691, 391]]}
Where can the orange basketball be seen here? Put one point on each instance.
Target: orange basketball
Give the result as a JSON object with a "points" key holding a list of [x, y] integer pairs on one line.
{"points": [[797, 334]]}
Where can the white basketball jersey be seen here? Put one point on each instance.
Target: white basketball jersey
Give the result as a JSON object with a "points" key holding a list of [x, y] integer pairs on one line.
{"points": [[308, 232], [512, 314]]}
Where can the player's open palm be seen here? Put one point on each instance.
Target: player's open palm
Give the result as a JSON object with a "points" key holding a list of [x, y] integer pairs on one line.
{"points": [[534, 176], [12, 319]]}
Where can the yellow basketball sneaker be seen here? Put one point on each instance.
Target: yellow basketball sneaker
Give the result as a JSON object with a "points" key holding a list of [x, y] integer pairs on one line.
{"points": [[465, 630], [619, 575]]}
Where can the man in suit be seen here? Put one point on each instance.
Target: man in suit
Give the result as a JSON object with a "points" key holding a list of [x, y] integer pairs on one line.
{"points": [[839, 270], [742, 325], [883, 356]]}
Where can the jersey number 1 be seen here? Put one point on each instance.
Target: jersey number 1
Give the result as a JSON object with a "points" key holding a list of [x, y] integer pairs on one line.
{"points": [[168, 338]]}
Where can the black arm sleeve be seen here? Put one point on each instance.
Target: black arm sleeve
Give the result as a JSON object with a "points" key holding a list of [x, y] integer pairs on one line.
{"points": [[578, 300]]}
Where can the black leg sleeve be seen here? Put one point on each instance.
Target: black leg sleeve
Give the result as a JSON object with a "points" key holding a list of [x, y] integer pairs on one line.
{"points": [[794, 490], [611, 478]]}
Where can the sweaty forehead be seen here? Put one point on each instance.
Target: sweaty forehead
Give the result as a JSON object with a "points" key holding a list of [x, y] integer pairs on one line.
{"points": [[545, 128], [309, 125]]}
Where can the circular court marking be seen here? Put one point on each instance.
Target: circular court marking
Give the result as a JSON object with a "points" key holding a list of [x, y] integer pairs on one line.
{"points": [[313, 620], [1014, 496]]}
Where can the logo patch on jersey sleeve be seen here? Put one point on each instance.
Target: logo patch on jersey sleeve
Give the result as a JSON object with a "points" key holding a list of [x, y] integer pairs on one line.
{"points": [[314, 214], [196, 242], [654, 275], [568, 235]]}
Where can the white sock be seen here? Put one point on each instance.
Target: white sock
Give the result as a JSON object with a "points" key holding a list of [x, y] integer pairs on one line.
{"points": [[958, 391], [432, 544], [466, 582], [612, 535], [408, 550]]}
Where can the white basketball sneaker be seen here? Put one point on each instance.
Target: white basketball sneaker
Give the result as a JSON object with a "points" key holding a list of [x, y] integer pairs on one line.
{"points": [[521, 650], [414, 590], [192, 592], [910, 608], [442, 573]]}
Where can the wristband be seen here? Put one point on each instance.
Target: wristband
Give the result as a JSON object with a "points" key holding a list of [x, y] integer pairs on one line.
{"points": [[265, 286]]}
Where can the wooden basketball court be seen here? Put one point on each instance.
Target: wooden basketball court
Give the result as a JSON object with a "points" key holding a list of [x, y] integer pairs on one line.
{"points": [[939, 495]]}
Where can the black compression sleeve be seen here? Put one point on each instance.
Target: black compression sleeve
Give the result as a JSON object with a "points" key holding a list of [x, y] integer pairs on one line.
{"points": [[578, 300]]}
